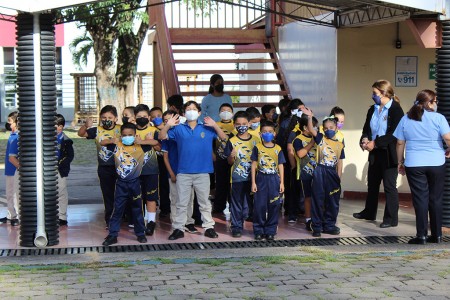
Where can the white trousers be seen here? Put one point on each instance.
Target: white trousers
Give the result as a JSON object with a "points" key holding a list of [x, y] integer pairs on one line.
{"points": [[63, 197], [12, 195]]}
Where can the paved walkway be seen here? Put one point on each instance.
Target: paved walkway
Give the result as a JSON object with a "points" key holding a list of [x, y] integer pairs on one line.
{"points": [[396, 272]]}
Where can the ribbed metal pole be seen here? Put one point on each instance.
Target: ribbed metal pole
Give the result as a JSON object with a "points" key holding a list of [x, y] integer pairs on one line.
{"points": [[443, 95]]}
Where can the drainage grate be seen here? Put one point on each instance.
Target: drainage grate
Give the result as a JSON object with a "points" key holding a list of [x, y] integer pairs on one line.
{"points": [[346, 241]]}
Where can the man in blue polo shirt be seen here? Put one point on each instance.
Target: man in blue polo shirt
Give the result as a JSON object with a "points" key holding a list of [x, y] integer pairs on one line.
{"points": [[195, 162]]}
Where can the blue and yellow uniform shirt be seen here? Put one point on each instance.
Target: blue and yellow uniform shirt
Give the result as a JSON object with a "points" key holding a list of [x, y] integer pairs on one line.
{"points": [[151, 165], [329, 150], [240, 171], [308, 163], [255, 132], [228, 129], [105, 156], [129, 160], [268, 158]]}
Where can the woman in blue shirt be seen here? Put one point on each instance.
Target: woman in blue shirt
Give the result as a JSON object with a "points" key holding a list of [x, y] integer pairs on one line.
{"points": [[422, 131], [212, 102], [377, 138]]}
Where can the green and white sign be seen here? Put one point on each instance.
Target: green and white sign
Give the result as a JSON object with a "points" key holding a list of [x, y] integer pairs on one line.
{"points": [[432, 72]]}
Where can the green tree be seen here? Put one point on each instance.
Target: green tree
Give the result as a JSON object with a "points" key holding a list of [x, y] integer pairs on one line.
{"points": [[115, 30]]}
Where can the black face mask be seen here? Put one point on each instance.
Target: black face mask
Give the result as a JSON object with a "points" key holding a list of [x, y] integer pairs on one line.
{"points": [[8, 126], [125, 120], [142, 121], [219, 88], [107, 124]]}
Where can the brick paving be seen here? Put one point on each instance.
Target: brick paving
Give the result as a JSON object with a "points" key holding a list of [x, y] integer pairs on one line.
{"points": [[306, 273]]}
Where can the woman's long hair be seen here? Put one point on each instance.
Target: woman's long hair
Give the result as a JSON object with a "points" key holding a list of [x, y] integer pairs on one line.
{"points": [[213, 80], [386, 89], [293, 104], [422, 99]]}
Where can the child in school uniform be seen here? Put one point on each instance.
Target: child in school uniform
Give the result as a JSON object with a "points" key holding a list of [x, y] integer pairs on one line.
{"points": [[326, 184], [238, 150], [305, 160], [221, 166], [129, 160], [11, 173], [255, 121], [65, 155], [128, 115], [195, 152], [107, 132], [149, 177], [267, 183]]}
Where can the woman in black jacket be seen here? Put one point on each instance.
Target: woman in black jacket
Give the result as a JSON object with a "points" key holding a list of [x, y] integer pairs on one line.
{"points": [[377, 138]]}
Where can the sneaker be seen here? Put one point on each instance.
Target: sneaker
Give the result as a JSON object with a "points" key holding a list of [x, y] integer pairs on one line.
{"points": [[150, 229], [109, 240], [130, 225], [333, 230], [292, 219], [3, 220], [236, 233], [176, 234], [62, 222], [259, 237], [316, 234], [190, 228], [270, 237], [14, 222], [142, 239], [308, 225], [211, 233]]}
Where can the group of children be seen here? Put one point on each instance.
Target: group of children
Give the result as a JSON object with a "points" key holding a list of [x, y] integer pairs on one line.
{"points": [[251, 154]]}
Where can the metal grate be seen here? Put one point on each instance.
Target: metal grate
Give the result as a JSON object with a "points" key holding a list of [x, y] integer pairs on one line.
{"points": [[346, 241]]}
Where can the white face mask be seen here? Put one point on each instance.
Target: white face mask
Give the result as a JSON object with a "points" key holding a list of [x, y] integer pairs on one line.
{"points": [[294, 111], [226, 115], [299, 114], [182, 119], [191, 115]]}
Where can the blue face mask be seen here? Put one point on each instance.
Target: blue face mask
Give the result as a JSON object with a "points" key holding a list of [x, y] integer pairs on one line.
{"points": [[330, 133], [376, 99], [275, 117], [254, 126], [267, 137], [157, 121], [128, 140]]}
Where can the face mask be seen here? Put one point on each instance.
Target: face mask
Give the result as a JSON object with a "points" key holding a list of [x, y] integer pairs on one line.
{"points": [[128, 140], [330, 133], [376, 99], [267, 137], [219, 88], [294, 111], [142, 121], [125, 120], [241, 129], [254, 126], [226, 115], [182, 119], [157, 121], [8, 127], [275, 117], [299, 114], [191, 115], [340, 125], [107, 124]]}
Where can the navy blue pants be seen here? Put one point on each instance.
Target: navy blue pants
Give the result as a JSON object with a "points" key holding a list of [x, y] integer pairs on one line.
{"points": [[427, 190], [240, 196], [164, 200], [124, 191], [266, 204], [222, 174], [297, 202], [326, 192], [149, 188], [107, 176]]}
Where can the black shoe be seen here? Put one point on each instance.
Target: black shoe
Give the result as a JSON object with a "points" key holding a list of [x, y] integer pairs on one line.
{"points": [[142, 239], [333, 230], [434, 239], [418, 240], [292, 219], [236, 233], [308, 225], [270, 237], [387, 225], [316, 234], [62, 222], [176, 234], [150, 229], [259, 237], [361, 216], [109, 240], [14, 222], [190, 228], [3, 220], [211, 233]]}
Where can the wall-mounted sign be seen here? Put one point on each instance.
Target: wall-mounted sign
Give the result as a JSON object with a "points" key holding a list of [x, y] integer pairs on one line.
{"points": [[406, 71], [432, 72]]}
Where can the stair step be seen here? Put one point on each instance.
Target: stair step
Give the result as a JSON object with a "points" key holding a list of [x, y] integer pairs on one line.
{"points": [[234, 82], [191, 72], [223, 61], [238, 93], [236, 51], [216, 36]]}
